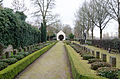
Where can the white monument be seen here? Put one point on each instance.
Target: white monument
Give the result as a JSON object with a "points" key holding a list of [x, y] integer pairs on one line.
{"points": [[61, 36]]}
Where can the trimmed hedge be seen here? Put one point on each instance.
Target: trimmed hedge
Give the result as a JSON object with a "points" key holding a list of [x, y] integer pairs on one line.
{"points": [[11, 71], [15, 31], [107, 43], [9, 60], [75, 66]]}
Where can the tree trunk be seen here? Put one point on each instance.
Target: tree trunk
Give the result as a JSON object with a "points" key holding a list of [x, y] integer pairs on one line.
{"points": [[100, 34], [92, 35], [87, 34], [44, 25], [118, 29]]}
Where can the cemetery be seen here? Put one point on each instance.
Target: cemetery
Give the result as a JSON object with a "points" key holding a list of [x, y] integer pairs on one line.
{"points": [[60, 39]]}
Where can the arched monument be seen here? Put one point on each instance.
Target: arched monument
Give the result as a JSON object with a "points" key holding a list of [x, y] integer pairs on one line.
{"points": [[61, 36]]}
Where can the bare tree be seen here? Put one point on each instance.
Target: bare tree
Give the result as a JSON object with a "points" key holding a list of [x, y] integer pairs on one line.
{"points": [[43, 9], [101, 14], [19, 5], [50, 31], [1, 2], [67, 29], [114, 6], [77, 31], [82, 20], [90, 13]]}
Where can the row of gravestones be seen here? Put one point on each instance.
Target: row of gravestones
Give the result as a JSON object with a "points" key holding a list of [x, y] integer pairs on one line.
{"points": [[7, 52], [112, 59]]}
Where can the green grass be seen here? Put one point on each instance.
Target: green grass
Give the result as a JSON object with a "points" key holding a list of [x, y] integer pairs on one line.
{"points": [[102, 51], [80, 68]]}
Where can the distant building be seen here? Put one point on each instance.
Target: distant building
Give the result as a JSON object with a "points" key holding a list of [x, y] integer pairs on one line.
{"points": [[61, 36]]}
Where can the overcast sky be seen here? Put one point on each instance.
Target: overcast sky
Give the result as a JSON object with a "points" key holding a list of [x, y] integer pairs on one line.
{"points": [[66, 9]]}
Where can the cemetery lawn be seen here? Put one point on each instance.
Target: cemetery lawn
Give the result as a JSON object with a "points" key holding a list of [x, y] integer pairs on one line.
{"points": [[82, 66], [51, 65], [105, 52]]}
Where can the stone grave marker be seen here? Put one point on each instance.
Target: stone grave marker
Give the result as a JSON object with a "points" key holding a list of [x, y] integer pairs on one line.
{"points": [[15, 51], [93, 53], [8, 51], [97, 54], [104, 57], [113, 61], [20, 49], [88, 50], [27, 48]]}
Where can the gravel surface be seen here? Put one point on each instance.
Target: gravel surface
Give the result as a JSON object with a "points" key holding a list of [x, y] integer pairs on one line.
{"points": [[51, 65]]}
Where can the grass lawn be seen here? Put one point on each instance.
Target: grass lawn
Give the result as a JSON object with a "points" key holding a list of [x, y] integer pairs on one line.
{"points": [[82, 66], [105, 52]]}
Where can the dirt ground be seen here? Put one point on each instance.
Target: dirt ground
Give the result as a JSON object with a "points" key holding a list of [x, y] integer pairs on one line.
{"points": [[51, 65]]}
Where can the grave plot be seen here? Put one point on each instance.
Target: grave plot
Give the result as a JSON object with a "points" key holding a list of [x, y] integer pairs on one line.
{"points": [[106, 64], [80, 68]]}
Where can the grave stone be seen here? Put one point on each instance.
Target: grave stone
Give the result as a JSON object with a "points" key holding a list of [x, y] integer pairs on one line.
{"points": [[8, 51], [88, 50], [28, 49], [8, 54], [20, 49], [85, 49], [104, 57], [31, 47], [93, 53], [15, 51], [97, 54], [113, 61]]}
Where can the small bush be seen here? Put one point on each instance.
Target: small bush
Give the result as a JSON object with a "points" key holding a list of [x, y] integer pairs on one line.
{"points": [[23, 53], [12, 60], [17, 56], [97, 65], [76, 48], [87, 56], [3, 65], [4, 60], [9, 60], [108, 72], [94, 60]]}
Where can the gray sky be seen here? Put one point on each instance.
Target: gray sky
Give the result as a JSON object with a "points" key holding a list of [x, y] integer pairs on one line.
{"points": [[66, 9]]}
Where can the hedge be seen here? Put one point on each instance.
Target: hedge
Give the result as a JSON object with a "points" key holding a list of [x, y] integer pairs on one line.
{"points": [[15, 31], [76, 66], [11, 71], [105, 43]]}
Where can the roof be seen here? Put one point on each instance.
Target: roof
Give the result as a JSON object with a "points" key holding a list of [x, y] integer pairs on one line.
{"points": [[60, 32]]}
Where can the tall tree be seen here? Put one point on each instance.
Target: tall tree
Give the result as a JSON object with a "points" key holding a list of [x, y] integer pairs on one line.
{"points": [[77, 31], [114, 6], [82, 20], [1, 2], [18, 5], [67, 30], [102, 16], [43, 9]]}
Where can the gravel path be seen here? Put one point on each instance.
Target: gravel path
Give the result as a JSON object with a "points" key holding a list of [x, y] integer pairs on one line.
{"points": [[51, 65]]}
